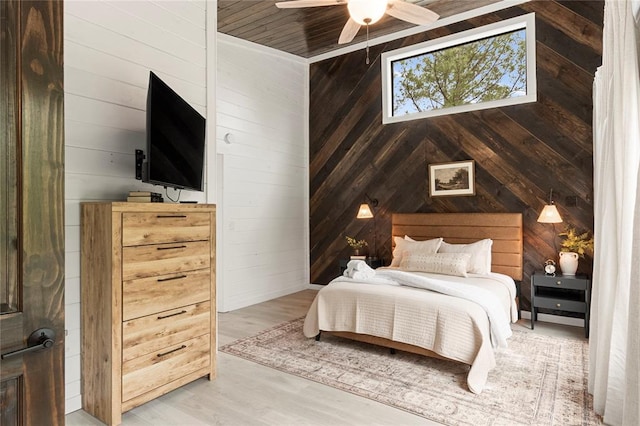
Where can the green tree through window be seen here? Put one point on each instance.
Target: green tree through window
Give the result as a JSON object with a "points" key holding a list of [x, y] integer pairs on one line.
{"points": [[483, 70]]}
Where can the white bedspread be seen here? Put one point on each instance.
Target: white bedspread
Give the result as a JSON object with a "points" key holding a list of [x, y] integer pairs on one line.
{"points": [[498, 319], [453, 327]]}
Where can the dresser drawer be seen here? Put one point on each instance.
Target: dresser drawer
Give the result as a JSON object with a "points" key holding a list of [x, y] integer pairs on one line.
{"points": [[155, 228], [560, 304], [147, 372], [163, 259], [145, 296], [144, 335]]}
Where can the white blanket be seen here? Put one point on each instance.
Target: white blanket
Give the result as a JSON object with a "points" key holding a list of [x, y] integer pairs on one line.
{"points": [[452, 327], [498, 321], [359, 272]]}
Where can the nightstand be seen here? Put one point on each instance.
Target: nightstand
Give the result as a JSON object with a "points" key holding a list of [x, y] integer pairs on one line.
{"points": [[562, 293], [374, 262]]}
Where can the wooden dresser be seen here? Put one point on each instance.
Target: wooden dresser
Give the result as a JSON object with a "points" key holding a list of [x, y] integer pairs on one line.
{"points": [[148, 302]]}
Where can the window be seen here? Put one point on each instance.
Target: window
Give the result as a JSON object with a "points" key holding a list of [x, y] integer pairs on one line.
{"points": [[486, 67]]}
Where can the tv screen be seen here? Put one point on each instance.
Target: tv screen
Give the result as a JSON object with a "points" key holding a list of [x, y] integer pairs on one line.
{"points": [[175, 139]]}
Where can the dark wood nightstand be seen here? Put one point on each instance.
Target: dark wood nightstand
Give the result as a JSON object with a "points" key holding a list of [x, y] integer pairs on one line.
{"points": [[561, 293], [374, 262]]}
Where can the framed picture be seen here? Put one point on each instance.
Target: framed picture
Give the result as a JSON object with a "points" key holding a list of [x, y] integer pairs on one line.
{"points": [[452, 179]]}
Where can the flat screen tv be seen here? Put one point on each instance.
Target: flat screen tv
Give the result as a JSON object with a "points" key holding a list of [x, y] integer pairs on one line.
{"points": [[175, 139]]}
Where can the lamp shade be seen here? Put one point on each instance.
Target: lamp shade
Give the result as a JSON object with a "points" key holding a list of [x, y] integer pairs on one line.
{"points": [[549, 214], [366, 12], [364, 212]]}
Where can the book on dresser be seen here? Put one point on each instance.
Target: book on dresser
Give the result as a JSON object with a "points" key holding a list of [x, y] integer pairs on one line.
{"points": [[145, 197], [143, 194], [147, 302]]}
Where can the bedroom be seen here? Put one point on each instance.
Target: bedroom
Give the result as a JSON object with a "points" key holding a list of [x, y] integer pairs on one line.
{"points": [[261, 181]]}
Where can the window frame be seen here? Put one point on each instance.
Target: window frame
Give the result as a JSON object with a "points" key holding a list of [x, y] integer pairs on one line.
{"points": [[526, 22]]}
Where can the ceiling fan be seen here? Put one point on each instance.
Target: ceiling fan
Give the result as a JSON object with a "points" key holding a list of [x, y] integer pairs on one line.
{"points": [[367, 12]]}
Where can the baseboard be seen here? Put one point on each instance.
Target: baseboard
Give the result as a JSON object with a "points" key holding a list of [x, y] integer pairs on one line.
{"points": [[555, 319], [315, 286]]}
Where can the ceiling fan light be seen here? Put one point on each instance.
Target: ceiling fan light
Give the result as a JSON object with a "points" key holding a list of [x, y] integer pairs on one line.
{"points": [[366, 12]]}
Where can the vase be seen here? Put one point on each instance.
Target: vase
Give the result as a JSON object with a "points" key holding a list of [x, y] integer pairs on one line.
{"points": [[568, 262]]}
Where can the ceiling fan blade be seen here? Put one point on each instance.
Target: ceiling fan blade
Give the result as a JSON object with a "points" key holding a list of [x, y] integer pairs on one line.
{"points": [[411, 13], [308, 3], [349, 31]]}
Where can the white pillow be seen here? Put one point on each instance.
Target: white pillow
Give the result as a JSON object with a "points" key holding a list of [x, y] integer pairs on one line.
{"points": [[480, 251], [437, 263], [402, 245]]}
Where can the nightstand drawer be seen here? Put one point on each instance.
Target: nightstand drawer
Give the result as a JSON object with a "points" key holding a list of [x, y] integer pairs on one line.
{"points": [[573, 283], [559, 304]]}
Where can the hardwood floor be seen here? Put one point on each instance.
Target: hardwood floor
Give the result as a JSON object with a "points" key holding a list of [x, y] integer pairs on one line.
{"points": [[246, 393]]}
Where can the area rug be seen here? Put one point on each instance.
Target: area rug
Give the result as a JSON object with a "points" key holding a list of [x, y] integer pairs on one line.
{"points": [[539, 380]]}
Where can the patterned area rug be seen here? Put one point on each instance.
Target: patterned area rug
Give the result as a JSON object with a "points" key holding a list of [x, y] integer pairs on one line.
{"points": [[539, 380]]}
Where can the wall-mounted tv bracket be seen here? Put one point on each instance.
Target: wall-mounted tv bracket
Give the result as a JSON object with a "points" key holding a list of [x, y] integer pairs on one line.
{"points": [[139, 161]]}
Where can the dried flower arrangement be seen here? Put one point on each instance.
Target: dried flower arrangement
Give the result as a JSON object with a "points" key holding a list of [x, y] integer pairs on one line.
{"points": [[355, 244], [577, 243]]}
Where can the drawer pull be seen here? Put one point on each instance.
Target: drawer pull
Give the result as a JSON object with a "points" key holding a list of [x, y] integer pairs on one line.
{"points": [[171, 216], [171, 351], [172, 315], [179, 277], [558, 305], [171, 248], [559, 282]]}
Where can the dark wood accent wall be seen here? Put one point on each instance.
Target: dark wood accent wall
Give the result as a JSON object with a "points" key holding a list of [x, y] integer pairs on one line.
{"points": [[521, 152]]}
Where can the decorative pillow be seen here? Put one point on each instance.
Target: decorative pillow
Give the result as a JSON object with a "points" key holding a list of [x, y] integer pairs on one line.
{"points": [[480, 251], [437, 263], [402, 245]]}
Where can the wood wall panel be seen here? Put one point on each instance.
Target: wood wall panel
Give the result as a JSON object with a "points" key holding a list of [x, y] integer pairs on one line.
{"points": [[263, 232], [521, 151]]}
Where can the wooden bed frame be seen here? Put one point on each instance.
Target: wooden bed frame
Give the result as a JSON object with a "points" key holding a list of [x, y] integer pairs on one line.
{"points": [[505, 229]]}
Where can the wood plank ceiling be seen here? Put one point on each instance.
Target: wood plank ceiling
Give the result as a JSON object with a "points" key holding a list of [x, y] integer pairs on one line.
{"points": [[313, 31]]}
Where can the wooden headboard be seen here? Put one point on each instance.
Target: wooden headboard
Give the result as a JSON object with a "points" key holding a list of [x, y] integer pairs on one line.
{"points": [[505, 229]]}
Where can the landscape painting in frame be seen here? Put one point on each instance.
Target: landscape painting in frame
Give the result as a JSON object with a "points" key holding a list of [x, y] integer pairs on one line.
{"points": [[452, 179]]}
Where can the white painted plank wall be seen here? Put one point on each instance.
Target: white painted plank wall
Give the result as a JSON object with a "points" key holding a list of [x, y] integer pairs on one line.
{"points": [[110, 47], [262, 101]]}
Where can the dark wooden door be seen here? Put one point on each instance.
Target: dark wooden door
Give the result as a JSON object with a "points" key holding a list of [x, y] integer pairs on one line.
{"points": [[32, 212]]}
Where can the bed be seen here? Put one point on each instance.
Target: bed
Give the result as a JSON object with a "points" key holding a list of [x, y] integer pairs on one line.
{"points": [[444, 321]]}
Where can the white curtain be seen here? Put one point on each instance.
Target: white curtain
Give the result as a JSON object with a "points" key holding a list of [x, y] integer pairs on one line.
{"points": [[614, 348]]}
